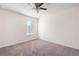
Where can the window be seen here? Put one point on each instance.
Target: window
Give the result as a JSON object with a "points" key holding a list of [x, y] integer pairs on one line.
{"points": [[29, 27]]}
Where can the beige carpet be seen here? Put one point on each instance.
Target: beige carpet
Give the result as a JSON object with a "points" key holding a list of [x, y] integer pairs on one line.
{"points": [[38, 48]]}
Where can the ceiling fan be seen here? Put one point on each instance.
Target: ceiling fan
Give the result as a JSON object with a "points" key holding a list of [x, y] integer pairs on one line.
{"points": [[38, 6]]}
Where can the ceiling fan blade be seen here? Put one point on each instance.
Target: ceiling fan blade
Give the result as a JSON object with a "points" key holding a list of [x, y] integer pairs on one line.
{"points": [[40, 4], [43, 8]]}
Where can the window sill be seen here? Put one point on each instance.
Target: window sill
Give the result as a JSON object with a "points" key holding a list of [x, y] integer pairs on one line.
{"points": [[29, 33]]}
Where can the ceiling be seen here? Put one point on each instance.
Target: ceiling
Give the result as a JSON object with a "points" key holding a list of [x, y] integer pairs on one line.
{"points": [[29, 8], [22, 8]]}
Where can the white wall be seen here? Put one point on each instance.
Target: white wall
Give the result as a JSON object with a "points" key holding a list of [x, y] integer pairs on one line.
{"points": [[60, 24], [13, 28]]}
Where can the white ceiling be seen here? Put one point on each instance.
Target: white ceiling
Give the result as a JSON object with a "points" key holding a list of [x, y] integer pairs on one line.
{"points": [[54, 8], [28, 8], [23, 8]]}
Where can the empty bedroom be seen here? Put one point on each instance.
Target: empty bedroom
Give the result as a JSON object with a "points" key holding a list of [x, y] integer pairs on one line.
{"points": [[39, 29]]}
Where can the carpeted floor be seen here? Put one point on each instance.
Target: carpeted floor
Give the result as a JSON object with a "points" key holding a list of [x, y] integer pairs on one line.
{"points": [[38, 48]]}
